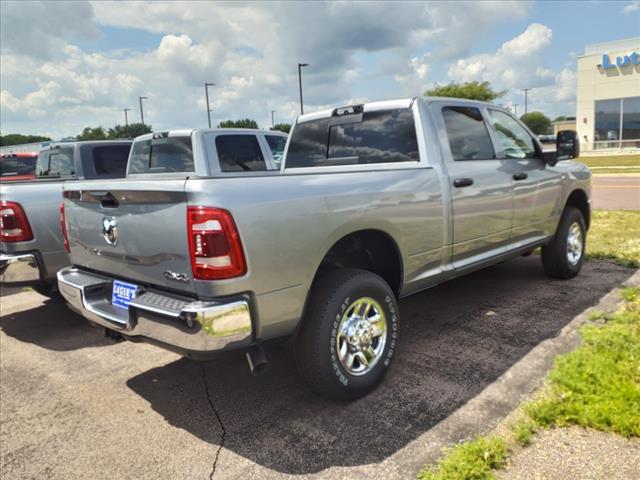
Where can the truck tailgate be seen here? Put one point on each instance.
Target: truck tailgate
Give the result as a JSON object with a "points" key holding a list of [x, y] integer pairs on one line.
{"points": [[132, 230]]}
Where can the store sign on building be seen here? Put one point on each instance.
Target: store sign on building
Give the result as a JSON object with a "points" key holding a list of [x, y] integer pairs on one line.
{"points": [[620, 62]]}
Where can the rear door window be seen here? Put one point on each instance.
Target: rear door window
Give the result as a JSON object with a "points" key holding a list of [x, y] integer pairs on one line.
{"points": [[111, 160], [468, 135], [277, 144], [162, 155], [386, 136], [239, 153]]}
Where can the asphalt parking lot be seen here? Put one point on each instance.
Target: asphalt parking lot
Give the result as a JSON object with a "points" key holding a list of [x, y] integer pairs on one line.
{"points": [[75, 405]]}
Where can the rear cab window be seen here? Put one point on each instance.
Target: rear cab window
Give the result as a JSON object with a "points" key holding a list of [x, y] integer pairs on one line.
{"points": [[357, 138], [110, 161], [56, 162], [11, 165], [240, 153], [161, 154]]}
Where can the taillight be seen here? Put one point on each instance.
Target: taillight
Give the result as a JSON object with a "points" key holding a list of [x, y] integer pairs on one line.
{"points": [[14, 226], [63, 227], [214, 244]]}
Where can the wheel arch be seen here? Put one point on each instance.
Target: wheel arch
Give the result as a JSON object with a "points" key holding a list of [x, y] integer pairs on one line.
{"points": [[578, 198]]}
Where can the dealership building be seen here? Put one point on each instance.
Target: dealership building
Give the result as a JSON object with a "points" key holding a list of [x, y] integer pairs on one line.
{"points": [[608, 97]]}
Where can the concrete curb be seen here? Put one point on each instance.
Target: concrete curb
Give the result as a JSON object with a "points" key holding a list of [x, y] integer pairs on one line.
{"points": [[485, 411]]}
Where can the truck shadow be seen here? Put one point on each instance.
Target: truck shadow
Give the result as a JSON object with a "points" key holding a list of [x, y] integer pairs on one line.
{"points": [[53, 326], [456, 339]]}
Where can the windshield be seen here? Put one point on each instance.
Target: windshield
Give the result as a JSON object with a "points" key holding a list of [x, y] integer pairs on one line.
{"points": [[161, 155]]}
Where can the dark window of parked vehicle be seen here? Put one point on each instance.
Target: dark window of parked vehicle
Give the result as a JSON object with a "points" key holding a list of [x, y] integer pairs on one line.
{"points": [[57, 162], [162, 155], [239, 153], [17, 166], [468, 135], [277, 144], [386, 136], [111, 160]]}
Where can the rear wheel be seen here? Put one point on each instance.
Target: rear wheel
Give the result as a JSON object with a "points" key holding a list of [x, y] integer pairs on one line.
{"points": [[562, 257], [348, 335]]}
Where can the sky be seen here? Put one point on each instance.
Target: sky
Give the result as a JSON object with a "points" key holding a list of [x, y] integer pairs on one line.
{"points": [[68, 65]]}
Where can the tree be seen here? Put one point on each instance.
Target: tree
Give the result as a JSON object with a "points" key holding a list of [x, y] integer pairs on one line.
{"points": [[537, 122], [132, 130], [90, 133], [473, 90], [19, 139], [282, 127], [244, 123]]}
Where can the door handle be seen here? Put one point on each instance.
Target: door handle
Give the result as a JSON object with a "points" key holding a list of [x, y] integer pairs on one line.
{"points": [[520, 176], [463, 182]]}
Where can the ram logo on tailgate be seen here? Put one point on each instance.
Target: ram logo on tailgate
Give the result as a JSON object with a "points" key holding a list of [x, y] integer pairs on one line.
{"points": [[110, 230]]}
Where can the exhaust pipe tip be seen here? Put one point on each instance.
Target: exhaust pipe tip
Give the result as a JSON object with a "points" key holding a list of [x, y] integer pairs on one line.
{"points": [[257, 360]]}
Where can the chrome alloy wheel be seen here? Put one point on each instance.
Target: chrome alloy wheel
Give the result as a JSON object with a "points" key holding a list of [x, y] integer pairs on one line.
{"points": [[361, 336], [575, 244]]}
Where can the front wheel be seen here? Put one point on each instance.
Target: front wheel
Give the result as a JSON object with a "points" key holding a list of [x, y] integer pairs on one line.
{"points": [[349, 333], [562, 257]]}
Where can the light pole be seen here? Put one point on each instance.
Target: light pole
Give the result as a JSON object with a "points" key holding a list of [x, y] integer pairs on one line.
{"points": [[126, 118], [515, 109], [300, 65], [272, 122], [206, 95], [141, 111], [526, 91]]}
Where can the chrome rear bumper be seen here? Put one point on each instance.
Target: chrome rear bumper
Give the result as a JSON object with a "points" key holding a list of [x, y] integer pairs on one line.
{"points": [[179, 323], [19, 268]]}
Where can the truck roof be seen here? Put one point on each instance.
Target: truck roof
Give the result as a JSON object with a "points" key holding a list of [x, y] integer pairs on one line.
{"points": [[53, 145], [390, 104], [187, 132]]}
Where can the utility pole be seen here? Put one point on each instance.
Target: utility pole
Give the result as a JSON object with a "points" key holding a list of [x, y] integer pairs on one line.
{"points": [[526, 91], [272, 122], [141, 111], [126, 119], [206, 94], [300, 65]]}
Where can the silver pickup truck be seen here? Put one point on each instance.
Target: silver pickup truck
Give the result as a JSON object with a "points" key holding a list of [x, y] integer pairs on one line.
{"points": [[31, 248], [371, 203]]}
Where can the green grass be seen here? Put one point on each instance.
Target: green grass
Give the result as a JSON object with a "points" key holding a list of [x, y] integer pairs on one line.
{"points": [[473, 460], [612, 161], [523, 431], [598, 385], [595, 386], [615, 235]]}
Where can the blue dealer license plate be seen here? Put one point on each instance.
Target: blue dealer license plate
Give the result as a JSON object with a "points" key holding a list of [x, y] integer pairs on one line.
{"points": [[123, 293]]}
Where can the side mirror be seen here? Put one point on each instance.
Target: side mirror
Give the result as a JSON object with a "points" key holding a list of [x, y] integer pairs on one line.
{"points": [[567, 145]]}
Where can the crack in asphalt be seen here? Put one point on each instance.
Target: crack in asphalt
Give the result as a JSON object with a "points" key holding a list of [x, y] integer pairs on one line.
{"points": [[215, 412]]}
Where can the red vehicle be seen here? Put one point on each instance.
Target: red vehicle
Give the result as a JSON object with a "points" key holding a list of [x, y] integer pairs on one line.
{"points": [[18, 166]]}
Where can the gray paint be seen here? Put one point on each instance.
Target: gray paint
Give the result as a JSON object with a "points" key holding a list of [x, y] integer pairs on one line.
{"points": [[41, 200], [289, 219]]}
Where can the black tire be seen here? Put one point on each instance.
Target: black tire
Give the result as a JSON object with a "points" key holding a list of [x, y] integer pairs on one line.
{"points": [[315, 350], [555, 259]]}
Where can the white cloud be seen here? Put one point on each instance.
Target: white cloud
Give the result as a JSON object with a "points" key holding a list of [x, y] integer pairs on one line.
{"points": [[250, 50], [632, 7]]}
